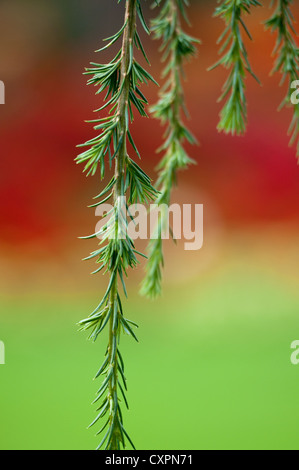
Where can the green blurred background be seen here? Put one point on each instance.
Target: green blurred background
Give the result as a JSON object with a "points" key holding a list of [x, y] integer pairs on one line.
{"points": [[212, 369]]}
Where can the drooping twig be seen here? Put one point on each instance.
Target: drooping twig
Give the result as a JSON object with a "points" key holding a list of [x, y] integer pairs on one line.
{"points": [[120, 79], [177, 47], [233, 116]]}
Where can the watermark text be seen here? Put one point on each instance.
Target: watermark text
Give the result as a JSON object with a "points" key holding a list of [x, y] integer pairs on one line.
{"points": [[2, 92], [160, 221], [2, 353]]}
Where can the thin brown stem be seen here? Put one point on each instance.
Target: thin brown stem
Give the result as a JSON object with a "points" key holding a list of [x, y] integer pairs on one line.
{"points": [[120, 161]]}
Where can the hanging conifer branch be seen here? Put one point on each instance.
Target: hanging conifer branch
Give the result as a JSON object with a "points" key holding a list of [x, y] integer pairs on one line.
{"points": [[177, 47], [287, 62], [233, 116], [120, 80]]}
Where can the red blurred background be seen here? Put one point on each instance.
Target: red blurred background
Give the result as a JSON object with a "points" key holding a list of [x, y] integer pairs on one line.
{"points": [[44, 48]]}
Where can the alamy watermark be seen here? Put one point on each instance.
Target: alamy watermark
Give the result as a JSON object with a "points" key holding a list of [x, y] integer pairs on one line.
{"points": [[137, 221], [295, 94], [295, 353], [2, 92], [2, 353]]}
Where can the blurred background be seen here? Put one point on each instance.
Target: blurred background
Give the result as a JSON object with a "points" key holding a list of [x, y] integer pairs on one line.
{"points": [[212, 369]]}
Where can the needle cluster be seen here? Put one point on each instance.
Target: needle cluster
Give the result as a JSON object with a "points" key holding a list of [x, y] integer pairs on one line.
{"points": [[234, 57], [177, 47]]}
